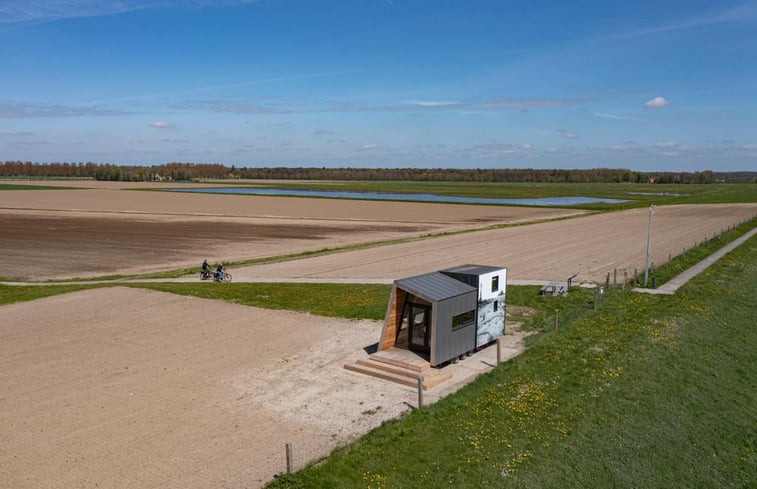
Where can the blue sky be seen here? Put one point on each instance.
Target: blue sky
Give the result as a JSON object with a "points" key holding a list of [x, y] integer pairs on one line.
{"points": [[646, 85]]}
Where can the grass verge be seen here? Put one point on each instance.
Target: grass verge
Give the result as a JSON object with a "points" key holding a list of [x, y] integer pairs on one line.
{"points": [[646, 391], [365, 301], [11, 294], [23, 186]]}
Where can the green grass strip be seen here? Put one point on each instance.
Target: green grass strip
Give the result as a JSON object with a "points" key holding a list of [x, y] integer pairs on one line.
{"points": [[21, 186], [366, 301], [11, 294], [646, 391]]}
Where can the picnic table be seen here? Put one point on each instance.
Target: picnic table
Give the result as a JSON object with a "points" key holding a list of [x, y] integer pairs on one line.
{"points": [[555, 289]]}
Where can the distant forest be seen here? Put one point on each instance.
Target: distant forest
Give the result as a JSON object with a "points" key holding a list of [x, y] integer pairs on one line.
{"points": [[196, 171]]}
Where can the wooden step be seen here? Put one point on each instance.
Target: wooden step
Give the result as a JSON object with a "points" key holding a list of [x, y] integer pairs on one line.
{"points": [[436, 380], [414, 374], [417, 366], [381, 374], [375, 369]]}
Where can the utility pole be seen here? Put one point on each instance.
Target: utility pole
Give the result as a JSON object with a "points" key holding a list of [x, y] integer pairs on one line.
{"points": [[649, 239]]}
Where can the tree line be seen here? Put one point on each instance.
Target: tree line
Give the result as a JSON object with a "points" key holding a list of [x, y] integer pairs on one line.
{"points": [[196, 171]]}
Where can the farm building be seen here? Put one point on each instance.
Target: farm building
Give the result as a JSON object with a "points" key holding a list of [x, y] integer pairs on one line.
{"points": [[446, 314]]}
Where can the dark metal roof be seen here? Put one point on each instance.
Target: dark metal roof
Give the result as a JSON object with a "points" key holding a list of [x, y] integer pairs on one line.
{"points": [[472, 269], [434, 286]]}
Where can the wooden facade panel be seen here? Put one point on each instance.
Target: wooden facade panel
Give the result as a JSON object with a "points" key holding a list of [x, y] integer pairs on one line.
{"points": [[392, 320]]}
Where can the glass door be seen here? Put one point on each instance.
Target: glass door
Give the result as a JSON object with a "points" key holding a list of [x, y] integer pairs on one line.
{"points": [[420, 320]]}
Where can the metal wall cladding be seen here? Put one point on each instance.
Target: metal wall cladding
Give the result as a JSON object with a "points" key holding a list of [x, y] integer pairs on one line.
{"points": [[445, 343], [491, 322]]}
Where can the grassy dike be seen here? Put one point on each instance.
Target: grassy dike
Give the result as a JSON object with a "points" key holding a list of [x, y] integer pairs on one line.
{"points": [[646, 391]]}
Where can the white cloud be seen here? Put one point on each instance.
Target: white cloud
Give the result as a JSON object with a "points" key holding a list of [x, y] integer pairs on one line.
{"points": [[670, 153], [526, 146], [749, 146], [161, 125], [367, 147], [620, 147], [567, 134], [508, 151], [657, 103], [666, 144]]}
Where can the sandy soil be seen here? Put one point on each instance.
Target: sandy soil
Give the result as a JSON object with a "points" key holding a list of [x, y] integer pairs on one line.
{"points": [[58, 234], [121, 201], [591, 246], [127, 388]]}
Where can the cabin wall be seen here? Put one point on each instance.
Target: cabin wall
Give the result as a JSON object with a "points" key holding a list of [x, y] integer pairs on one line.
{"points": [[447, 343]]}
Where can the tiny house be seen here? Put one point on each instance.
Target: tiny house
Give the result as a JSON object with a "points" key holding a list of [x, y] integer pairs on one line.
{"points": [[443, 315]]}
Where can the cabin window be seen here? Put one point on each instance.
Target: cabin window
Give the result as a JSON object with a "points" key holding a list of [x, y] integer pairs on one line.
{"points": [[464, 319], [496, 306], [495, 283]]}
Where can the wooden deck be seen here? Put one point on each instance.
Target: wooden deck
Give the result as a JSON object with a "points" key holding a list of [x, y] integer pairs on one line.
{"points": [[400, 366]]}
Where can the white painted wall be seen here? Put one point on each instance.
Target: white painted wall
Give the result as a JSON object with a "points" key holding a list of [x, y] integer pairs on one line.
{"points": [[485, 291]]}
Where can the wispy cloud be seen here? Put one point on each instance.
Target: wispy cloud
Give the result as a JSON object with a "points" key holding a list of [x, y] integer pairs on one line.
{"points": [[16, 110], [367, 147], [740, 14], [323, 132], [161, 125], [616, 117], [38, 11], [14, 135], [666, 144], [230, 106], [657, 103], [567, 134], [495, 103], [430, 103]]}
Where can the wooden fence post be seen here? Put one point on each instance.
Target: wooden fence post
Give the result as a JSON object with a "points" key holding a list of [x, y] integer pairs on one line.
{"points": [[557, 319], [420, 392], [614, 277], [596, 296], [289, 458]]}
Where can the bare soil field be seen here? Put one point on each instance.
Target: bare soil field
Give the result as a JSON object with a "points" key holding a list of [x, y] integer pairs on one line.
{"points": [[128, 388], [591, 246], [56, 234]]}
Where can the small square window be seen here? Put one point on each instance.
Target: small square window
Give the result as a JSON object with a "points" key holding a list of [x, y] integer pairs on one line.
{"points": [[495, 283]]}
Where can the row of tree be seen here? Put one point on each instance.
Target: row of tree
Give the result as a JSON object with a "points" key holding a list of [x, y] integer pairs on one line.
{"points": [[195, 171]]}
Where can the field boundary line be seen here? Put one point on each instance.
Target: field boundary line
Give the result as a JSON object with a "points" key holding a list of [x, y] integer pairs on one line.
{"points": [[671, 286]]}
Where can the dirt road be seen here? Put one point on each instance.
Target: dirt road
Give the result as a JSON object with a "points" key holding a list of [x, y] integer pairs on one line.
{"points": [[591, 246]]}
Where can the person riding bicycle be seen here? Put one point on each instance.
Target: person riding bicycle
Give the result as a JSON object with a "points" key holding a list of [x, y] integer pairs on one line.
{"points": [[205, 268], [219, 272]]}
